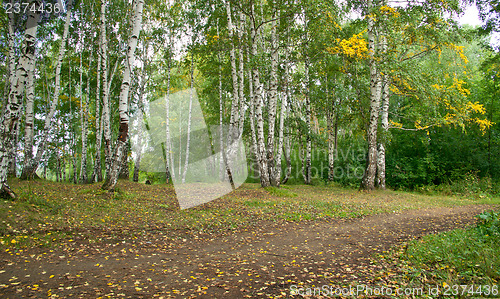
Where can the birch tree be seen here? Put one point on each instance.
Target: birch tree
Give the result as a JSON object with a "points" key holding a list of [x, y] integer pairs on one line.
{"points": [[97, 172], [272, 104], [12, 107], [120, 148], [29, 172], [234, 118], [84, 123], [258, 104], [368, 182]]}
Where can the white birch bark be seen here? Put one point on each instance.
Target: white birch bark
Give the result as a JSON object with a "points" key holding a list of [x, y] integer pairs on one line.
{"points": [[84, 109], [120, 148], [97, 173], [106, 125], [384, 121], [307, 167], [30, 172], [12, 53], [29, 124], [13, 104], [272, 105], [188, 141], [241, 75], [252, 117], [234, 119], [258, 102], [368, 182], [332, 124], [221, 116], [170, 157], [288, 100]]}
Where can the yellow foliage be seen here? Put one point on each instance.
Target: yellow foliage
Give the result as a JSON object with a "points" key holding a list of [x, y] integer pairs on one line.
{"points": [[395, 90], [476, 107], [460, 51], [354, 47], [458, 84], [389, 11], [395, 124], [484, 124]]}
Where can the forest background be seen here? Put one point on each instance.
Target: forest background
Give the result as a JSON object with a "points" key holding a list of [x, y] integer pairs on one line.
{"points": [[363, 93]]}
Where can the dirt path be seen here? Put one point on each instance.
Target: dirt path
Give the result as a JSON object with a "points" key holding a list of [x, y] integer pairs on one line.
{"points": [[262, 261]]}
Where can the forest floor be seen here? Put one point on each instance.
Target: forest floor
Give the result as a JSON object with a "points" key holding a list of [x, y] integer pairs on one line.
{"points": [[258, 257]]}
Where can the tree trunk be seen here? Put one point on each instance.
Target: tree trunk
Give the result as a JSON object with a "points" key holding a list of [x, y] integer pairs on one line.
{"points": [[188, 141], [124, 171], [13, 104], [29, 172], [221, 117], [272, 106], [170, 170], [62, 170], [120, 148], [106, 122], [137, 165], [97, 173], [29, 125], [330, 114], [368, 182], [307, 167], [384, 120], [241, 74], [8, 85], [288, 99], [83, 171], [234, 119], [258, 102]]}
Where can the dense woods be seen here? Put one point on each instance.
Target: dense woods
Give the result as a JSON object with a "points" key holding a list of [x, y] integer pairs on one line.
{"points": [[371, 94]]}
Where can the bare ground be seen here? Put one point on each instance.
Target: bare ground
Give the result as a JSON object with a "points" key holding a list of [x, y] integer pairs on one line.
{"points": [[256, 262]]}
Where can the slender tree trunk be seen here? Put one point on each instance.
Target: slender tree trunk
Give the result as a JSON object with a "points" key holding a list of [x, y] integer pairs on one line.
{"points": [[13, 104], [123, 102], [234, 119], [241, 74], [12, 54], [12, 172], [188, 141], [170, 159], [8, 85], [288, 99], [137, 165], [97, 173], [384, 120], [83, 171], [272, 106], [283, 108], [62, 169], [308, 154], [252, 118], [29, 172], [106, 122], [72, 131], [58, 169], [330, 114], [368, 182], [221, 116], [258, 102]]}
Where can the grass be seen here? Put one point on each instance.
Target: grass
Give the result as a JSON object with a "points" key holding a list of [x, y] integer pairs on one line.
{"points": [[460, 257], [49, 213]]}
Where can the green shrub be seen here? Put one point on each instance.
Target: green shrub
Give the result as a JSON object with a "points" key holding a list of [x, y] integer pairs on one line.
{"points": [[461, 256], [488, 224]]}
